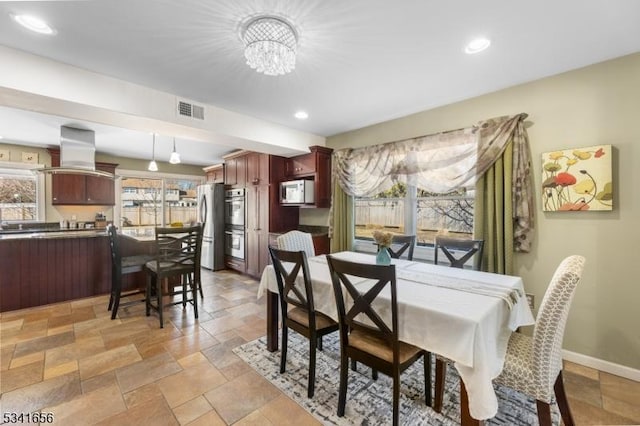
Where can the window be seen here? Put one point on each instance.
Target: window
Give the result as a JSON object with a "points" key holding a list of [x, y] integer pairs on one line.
{"points": [[152, 200], [425, 214], [21, 193]]}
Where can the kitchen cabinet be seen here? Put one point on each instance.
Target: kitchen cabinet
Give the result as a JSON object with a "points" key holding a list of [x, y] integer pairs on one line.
{"points": [[77, 189], [316, 164], [264, 213], [257, 229], [214, 174], [302, 165], [257, 169], [235, 165]]}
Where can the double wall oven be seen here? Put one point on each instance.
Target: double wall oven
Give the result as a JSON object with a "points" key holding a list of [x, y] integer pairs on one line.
{"points": [[234, 214]]}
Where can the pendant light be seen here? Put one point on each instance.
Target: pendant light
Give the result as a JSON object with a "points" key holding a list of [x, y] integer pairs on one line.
{"points": [[153, 167], [175, 157]]}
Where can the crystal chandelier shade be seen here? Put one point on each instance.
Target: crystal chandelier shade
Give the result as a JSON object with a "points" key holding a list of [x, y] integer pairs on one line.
{"points": [[270, 45]]}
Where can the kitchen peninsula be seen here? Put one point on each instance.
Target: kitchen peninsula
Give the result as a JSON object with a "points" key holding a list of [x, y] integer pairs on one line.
{"points": [[42, 266]]}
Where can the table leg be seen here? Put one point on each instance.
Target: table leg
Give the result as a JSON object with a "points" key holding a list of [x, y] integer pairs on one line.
{"points": [[272, 321], [465, 416]]}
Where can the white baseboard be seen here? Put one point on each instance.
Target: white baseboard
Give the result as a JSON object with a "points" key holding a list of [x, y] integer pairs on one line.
{"points": [[606, 366]]}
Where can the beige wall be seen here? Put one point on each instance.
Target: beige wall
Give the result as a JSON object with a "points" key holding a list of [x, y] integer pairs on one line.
{"points": [[88, 213], [599, 104]]}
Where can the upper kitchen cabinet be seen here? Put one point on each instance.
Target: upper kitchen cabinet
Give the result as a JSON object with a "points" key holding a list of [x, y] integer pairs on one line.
{"points": [[215, 174], [74, 189], [316, 164], [257, 169], [235, 165]]}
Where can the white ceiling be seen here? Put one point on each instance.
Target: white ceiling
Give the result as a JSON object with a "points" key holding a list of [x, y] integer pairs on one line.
{"points": [[360, 62]]}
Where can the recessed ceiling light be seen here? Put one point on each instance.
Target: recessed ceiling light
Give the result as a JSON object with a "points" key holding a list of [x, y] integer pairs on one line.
{"points": [[301, 115], [477, 45], [34, 23]]}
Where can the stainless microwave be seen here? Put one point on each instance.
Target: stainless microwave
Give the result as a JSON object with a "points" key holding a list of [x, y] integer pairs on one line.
{"points": [[296, 192]]}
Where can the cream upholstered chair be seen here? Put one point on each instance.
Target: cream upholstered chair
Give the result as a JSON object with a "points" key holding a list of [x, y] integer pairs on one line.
{"points": [[296, 241], [533, 365]]}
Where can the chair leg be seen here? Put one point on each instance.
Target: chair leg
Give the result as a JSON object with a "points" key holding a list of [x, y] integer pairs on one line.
{"points": [[194, 291], [544, 413], [396, 397], [374, 374], [427, 378], [441, 373], [115, 297], [312, 366], [185, 280], [563, 404], [283, 353], [147, 296], [344, 376], [320, 343], [354, 365], [159, 297]]}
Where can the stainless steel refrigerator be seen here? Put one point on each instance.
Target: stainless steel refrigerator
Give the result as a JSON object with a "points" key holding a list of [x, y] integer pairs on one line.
{"points": [[211, 214]]}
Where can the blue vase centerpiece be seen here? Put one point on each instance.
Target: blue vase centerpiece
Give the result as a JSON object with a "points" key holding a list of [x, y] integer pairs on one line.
{"points": [[383, 257]]}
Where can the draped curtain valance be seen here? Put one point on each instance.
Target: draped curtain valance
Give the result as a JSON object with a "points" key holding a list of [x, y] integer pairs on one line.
{"points": [[442, 163]]}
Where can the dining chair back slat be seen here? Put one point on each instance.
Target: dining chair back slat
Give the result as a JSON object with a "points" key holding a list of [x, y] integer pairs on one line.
{"points": [[468, 248], [406, 243]]}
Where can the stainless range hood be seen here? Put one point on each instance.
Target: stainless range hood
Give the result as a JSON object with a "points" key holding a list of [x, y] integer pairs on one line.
{"points": [[77, 154]]}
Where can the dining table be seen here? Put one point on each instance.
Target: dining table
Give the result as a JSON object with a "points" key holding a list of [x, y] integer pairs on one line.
{"points": [[464, 315]]}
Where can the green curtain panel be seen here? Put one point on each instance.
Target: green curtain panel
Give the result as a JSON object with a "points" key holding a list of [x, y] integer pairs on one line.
{"points": [[341, 221], [493, 214]]}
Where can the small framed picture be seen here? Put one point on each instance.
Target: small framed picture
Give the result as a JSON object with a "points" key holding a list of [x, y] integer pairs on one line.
{"points": [[4, 155], [29, 157]]}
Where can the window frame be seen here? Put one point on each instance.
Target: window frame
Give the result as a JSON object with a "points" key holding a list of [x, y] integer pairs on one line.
{"points": [[141, 174], [422, 252], [30, 170]]}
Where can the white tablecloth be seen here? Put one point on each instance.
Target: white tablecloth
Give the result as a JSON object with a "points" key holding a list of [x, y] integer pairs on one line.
{"points": [[464, 324]]}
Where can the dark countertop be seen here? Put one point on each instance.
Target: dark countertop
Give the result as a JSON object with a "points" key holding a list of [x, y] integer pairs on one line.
{"points": [[315, 231], [50, 234]]}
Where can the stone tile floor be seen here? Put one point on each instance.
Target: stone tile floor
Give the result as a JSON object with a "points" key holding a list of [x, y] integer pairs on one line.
{"points": [[72, 360]]}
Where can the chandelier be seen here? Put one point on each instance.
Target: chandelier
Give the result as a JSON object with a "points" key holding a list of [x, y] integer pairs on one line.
{"points": [[270, 45]]}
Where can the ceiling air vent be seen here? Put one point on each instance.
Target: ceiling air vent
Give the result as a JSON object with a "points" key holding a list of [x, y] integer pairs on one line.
{"points": [[190, 110]]}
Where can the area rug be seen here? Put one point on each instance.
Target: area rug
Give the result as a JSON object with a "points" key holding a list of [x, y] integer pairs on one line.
{"points": [[369, 401]]}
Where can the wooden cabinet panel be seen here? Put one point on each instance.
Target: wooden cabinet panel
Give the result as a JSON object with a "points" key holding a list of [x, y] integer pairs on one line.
{"points": [[68, 189], [257, 229], [99, 190], [322, 179], [231, 171], [236, 171], [77, 189], [215, 174], [257, 169], [42, 271], [302, 165]]}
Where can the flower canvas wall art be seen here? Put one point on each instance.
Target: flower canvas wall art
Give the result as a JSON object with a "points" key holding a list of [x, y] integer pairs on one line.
{"points": [[577, 179]]}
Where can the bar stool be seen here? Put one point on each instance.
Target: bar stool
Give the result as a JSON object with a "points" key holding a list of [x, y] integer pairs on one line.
{"points": [[122, 265]]}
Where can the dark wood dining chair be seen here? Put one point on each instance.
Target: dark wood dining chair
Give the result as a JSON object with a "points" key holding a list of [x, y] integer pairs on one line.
{"points": [[400, 244], [120, 266], [467, 249], [296, 290], [458, 251], [176, 265], [375, 343]]}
